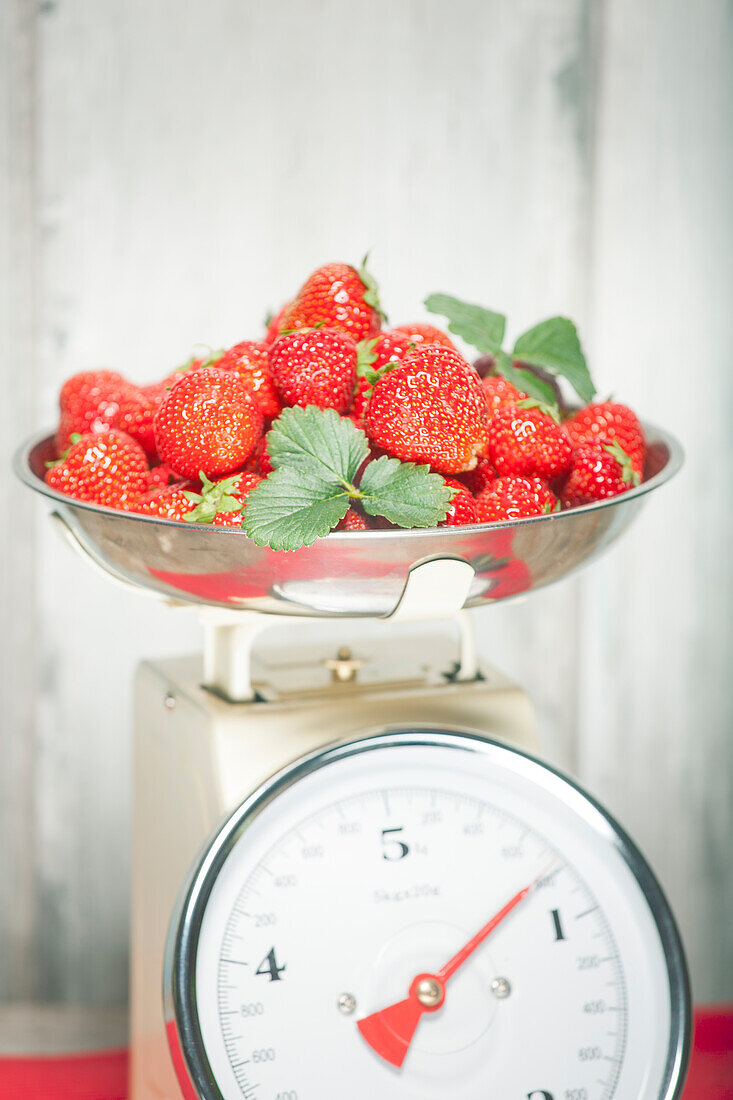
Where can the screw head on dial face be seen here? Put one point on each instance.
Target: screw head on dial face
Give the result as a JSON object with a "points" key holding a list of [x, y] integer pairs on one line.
{"points": [[346, 1003], [429, 992], [501, 988]]}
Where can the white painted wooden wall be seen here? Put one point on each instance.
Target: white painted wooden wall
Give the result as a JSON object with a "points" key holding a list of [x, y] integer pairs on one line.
{"points": [[171, 170]]}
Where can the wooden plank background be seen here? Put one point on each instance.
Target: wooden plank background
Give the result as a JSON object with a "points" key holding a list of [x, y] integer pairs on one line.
{"points": [[171, 171]]}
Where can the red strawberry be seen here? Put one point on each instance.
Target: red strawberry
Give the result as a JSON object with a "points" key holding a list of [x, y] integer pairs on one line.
{"points": [[353, 521], [91, 401], [527, 441], [137, 415], [606, 421], [275, 324], [250, 359], [419, 333], [599, 470], [209, 421], [462, 509], [480, 477], [515, 498], [500, 393], [339, 297], [169, 502], [105, 468], [259, 461], [160, 476], [430, 408], [315, 368]]}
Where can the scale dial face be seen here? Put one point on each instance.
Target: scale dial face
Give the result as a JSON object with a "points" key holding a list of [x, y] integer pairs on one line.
{"points": [[420, 914]]}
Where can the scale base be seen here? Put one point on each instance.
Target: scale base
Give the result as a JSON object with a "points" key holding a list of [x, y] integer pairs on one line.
{"points": [[197, 756]]}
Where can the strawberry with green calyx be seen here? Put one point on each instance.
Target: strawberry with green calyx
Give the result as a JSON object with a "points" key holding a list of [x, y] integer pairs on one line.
{"points": [[107, 468], [511, 498], [339, 297], [209, 421], [528, 442], [223, 498], [321, 471], [607, 421], [168, 501], [374, 358], [430, 408], [599, 471], [250, 359], [552, 346], [317, 367]]}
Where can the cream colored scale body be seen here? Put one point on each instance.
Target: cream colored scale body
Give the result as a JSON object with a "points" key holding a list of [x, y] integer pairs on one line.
{"points": [[197, 756]]}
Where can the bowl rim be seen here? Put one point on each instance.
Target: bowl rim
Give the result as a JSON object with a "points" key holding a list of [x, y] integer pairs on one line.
{"points": [[654, 435]]}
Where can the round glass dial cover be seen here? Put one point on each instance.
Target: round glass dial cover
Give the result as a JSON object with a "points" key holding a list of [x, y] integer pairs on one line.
{"points": [[422, 913]]}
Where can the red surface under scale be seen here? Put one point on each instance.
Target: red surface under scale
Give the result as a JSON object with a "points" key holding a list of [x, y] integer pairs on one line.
{"points": [[103, 1075]]}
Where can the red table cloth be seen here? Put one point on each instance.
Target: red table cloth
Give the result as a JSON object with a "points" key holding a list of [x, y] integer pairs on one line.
{"points": [[102, 1075]]}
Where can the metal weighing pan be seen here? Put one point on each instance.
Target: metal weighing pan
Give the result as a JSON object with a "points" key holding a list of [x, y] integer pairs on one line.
{"points": [[354, 573]]}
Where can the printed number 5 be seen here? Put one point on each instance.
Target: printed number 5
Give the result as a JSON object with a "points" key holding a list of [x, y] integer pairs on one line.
{"points": [[393, 849]]}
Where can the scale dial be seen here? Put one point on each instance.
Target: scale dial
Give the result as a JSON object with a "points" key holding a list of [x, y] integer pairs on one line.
{"points": [[418, 914]]}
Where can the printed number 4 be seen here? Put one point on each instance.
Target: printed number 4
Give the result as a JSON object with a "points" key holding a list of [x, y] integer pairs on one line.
{"points": [[269, 967]]}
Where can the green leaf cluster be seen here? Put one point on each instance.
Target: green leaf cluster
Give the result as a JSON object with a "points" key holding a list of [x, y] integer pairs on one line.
{"points": [[319, 472], [552, 345]]}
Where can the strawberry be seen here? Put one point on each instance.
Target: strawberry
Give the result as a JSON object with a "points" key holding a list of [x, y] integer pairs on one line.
{"points": [[500, 393], [208, 422], [221, 502], [419, 333], [480, 477], [259, 461], [353, 521], [92, 401], [107, 468], [250, 359], [606, 421], [462, 508], [515, 498], [430, 408], [315, 368], [599, 470], [169, 501], [159, 476], [275, 324], [525, 440], [339, 297]]}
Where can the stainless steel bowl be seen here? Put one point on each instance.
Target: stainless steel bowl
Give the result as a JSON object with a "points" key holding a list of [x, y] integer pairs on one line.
{"points": [[347, 573]]}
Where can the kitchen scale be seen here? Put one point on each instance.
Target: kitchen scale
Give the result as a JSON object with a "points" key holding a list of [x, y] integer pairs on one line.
{"points": [[352, 874]]}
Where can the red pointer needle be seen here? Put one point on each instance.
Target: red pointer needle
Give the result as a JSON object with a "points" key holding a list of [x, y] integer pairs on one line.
{"points": [[391, 1031]]}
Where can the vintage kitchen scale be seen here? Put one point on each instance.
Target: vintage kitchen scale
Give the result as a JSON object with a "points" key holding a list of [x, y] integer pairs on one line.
{"points": [[352, 877]]}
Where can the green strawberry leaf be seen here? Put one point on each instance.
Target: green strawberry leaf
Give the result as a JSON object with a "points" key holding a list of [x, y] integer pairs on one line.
{"points": [[365, 356], [292, 508], [479, 327], [549, 410], [405, 494], [318, 442], [371, 297], [525, 380], [554, 345], [214, 497]]}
